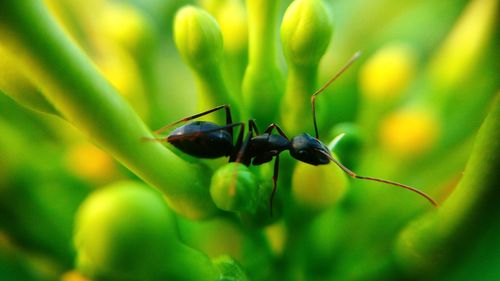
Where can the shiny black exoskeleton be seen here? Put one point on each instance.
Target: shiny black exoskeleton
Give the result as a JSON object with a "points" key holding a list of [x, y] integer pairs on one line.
{"points": [[205, 139]]}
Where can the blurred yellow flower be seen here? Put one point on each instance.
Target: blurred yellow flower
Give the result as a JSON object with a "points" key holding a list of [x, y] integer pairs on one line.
{"points": [[318, 187], [122, 71], [89, 162], [388, 72], [73, 276], [409, 131], [233, 23], [276, 235], [123, 24]]}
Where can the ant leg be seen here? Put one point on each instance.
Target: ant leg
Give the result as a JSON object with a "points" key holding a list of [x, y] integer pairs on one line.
{"points": [[242, 146], [270, 128], [225, 106], [275, 180], [313, 97], [253, 126]]}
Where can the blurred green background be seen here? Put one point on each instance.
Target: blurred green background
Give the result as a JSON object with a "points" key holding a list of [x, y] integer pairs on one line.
{"points": [[410, 109]]}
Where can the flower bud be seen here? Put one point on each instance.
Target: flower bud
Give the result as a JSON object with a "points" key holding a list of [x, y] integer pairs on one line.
{"points": [[127, 232], [199, 41], [318, 187], [234, 188], [388, 72], [197, 37], [73, 276], [233, 21], [126, 26], [124, 230], [410, 131], [306, 31], [91, 163], [230, 269]]}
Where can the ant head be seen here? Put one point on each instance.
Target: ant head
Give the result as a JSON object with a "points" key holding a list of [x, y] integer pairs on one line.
{"points": [[310, 150]]}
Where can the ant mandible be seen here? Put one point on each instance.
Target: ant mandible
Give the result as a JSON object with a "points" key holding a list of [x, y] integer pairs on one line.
{"points": [[205, 139]]}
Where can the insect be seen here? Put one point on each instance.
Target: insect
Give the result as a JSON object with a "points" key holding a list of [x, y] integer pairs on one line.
{"points": [[205, 139]]}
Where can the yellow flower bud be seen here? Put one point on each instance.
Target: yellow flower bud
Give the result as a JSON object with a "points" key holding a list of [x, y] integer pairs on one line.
{"points": [[73, 276], [89, 162], [318, 187], [410, 131], [124, 25], [276, 234], [234, 26], [388, 72]]}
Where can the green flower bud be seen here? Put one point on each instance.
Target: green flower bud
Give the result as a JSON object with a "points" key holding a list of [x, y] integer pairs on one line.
{"points": [[199, 40], [197, 37], [124, 230], [230, 269], [306, 31], [234, 188], [315, 188], [127, 232]]}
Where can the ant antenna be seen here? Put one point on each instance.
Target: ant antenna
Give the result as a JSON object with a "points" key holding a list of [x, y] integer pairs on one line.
{"points": [[313, 97], [354, 175]]}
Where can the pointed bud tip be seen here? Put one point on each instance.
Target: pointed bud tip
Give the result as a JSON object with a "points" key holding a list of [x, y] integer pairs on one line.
{"points": [[306, 31], [197, 36]]}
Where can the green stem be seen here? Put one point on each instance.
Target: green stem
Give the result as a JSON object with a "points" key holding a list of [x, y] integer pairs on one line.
{"points": [[71, 82], [296, 108], [195, 266], [212, 91], [262, 19], [20, 88], [438, 238], [263, 81]]}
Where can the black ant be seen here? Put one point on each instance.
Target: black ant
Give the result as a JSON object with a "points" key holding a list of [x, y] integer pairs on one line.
{"points": [[204, 139]]}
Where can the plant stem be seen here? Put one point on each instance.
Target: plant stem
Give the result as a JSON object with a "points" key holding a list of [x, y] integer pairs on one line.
{"points": [[296, 108], [263, 81], [430, 243], [74, 86]]}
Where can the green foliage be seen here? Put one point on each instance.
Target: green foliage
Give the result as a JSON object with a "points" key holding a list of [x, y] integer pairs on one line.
{"points": [[87, 194]]}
